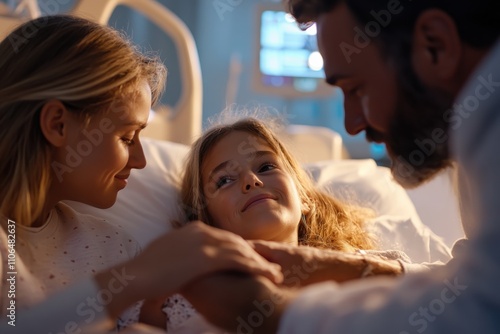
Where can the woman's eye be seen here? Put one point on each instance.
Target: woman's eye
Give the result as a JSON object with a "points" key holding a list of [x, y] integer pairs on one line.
{"points": [[267, 167], [127, 141]]}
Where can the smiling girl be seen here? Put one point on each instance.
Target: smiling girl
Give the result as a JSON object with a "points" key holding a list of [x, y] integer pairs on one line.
{"points": [[241, 178]]}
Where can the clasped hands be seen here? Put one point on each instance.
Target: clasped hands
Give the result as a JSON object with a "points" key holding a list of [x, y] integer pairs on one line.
{"points": [[225, 299]]}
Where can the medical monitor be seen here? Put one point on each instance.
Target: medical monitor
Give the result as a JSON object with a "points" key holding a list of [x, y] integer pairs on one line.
{"points": [[287, 60]]}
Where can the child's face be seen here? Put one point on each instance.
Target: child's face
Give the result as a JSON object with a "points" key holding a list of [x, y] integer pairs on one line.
{"points": [[247, 190], [94, 165]]}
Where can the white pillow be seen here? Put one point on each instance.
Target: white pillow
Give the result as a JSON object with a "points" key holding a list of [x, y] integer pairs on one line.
{"points": [[151, 201], [397, 224], [365, 183]]}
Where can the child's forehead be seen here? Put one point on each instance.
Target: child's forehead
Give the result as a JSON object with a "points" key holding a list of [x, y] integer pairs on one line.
{"points": [[245, 143], [242, 137], [240, 145]]}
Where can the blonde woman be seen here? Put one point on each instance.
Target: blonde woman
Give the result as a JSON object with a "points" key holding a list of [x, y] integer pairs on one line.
{"points": [[74, 97]]}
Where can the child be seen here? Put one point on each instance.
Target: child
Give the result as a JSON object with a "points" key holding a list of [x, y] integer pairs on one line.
{"points": [[239, 177], [230, 158], [74, 97]]}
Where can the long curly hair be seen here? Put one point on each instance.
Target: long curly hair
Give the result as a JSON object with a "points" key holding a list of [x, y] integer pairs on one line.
{"points": [[329, 223]]}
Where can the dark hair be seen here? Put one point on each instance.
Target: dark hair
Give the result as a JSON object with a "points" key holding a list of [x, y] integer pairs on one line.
{"points": [[478, 21], [478, 25]]}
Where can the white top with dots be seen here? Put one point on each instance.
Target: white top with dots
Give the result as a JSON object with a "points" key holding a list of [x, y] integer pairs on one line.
{"points": [[68, 248]]}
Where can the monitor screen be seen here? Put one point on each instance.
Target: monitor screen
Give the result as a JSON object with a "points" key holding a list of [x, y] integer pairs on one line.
{"points": [[287, 51], [288, 62]]}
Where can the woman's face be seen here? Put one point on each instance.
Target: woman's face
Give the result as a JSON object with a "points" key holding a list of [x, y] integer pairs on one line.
{"points": [[247, 190], [97, 161]]}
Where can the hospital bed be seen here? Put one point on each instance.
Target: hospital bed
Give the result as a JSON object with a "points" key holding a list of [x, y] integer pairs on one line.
{"points": [[151, 199]]}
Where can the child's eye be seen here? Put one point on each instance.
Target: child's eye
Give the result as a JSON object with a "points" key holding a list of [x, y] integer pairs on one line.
{"points": [[267, 166], [223, 180]]}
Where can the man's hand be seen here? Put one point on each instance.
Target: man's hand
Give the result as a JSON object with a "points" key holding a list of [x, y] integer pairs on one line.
{"points": [[303, 265], [239, 302]]}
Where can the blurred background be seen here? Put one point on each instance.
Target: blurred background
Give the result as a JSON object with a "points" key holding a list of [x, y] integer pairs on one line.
{"points": [[251, 54]]}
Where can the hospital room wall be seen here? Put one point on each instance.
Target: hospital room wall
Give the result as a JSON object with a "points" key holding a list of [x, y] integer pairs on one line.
{"points": [[142, 31], [220, 36], [226, 29], [230, 31]]}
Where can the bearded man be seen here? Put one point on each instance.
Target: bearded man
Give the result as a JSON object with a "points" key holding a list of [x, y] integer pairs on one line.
{"points": [[423, 77]]}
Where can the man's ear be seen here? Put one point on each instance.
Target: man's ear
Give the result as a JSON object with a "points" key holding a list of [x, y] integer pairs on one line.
{"points": [[436, 48], [54, 122]]}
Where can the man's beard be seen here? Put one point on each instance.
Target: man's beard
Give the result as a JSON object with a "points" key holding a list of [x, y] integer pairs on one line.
{"points": [[417, 139]]}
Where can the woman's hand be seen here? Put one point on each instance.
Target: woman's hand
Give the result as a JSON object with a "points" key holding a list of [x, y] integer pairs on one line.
{"points": [[180, 256]]}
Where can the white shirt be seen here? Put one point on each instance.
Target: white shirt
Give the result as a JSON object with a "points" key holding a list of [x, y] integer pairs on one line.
{"points": [[461, 297]]}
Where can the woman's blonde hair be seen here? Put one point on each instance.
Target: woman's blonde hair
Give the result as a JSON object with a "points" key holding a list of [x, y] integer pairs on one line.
{"points": [[86, 66], [328, 222]]}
